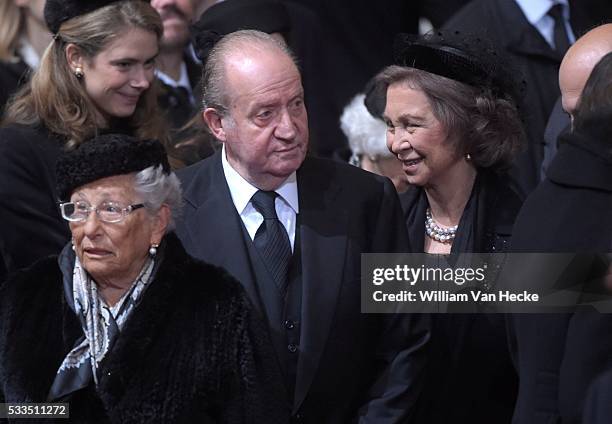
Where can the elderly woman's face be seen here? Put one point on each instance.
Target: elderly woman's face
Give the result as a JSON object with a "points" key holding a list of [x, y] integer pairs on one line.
{"points": [[417, 138], [114, 253], [116, 78]]}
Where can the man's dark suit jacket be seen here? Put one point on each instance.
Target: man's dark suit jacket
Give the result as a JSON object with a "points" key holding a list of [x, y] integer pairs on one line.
{"points": [[349, 362], [503, 23], [175, 103], [558, 122], [559, 355]]}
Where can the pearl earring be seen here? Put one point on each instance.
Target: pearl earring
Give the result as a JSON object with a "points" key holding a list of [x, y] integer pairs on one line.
{"points": [[78, 72], [153, 249]]}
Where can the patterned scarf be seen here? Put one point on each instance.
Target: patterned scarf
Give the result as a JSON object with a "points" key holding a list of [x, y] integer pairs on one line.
{"points": [[100, 323]]}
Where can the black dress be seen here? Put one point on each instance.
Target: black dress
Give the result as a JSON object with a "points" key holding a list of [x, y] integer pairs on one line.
{"points": [[470, 378]]}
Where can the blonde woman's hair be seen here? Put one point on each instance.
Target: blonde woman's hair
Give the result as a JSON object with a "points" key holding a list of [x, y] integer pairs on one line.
{"points": [[56, 98], [11, 24]]}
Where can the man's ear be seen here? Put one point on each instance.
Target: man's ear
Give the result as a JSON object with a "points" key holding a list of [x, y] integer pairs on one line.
{"points": [[214, 121], [74, 57]]}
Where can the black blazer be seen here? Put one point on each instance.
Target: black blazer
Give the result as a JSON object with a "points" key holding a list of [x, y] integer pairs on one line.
{"points": [[191, 351], [470, 377], [178, 108], [503, 23], [31, 226], [558, 122], [344, 211], [559, 355]]}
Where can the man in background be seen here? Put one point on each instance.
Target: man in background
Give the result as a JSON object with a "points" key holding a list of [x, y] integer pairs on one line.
{"points": [[575, 69]]}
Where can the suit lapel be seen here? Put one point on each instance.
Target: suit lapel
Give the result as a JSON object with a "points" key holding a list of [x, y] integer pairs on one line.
{"points": [[215, 229], [323, 248], [523, 39]]}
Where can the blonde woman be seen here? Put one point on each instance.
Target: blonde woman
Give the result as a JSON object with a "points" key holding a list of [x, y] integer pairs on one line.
{"points": [[23, 39], [97, 75]]}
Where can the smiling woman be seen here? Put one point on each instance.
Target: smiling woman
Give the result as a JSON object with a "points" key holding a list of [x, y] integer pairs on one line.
{"points": [[453, 125], [96, 76]]}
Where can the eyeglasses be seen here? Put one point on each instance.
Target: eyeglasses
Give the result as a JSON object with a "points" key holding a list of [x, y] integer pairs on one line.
{"points": [[106, 211]]}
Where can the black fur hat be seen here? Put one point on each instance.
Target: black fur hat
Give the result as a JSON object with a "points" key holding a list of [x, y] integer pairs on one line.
{"points": [[106, 156], [59, 11], [467, 58], [233, 15]]}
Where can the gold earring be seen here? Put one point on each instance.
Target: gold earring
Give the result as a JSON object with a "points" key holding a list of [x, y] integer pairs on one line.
{"points": [[78, 72]]}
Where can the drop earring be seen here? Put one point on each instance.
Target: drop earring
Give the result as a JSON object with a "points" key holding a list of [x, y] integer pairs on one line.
{"points": [[78, 72]]}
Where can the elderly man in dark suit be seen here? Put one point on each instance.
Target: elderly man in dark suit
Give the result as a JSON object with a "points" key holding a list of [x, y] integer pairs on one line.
{"points": [[291, 228]]}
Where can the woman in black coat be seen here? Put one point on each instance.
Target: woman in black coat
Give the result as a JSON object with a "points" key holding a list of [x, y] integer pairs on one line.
{"points": [[96, 76], [123, 325], [452, 122]]}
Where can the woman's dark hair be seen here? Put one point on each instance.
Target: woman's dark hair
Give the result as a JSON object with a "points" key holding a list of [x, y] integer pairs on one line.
{"points": [[593, 115], [482, 124]]}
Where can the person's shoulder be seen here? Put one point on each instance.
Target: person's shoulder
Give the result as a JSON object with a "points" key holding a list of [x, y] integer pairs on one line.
{"points": [[545, 211], [486, 17], [212, 280], [467, 13], [349, 177], [21, 135], [191, 173], [201, 279], [12, 73]]}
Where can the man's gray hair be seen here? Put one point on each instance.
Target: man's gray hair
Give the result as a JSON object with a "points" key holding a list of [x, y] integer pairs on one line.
{"points": [[155, 187], [214, 92]]}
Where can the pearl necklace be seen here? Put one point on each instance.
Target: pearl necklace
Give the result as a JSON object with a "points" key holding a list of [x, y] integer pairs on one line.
{"points": [[437, 232]]}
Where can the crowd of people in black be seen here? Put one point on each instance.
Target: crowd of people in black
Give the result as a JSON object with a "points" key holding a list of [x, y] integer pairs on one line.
{"points": [[187, 188]]}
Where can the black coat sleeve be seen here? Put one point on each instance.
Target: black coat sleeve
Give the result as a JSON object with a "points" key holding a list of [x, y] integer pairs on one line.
{"points": [[30, 223], [403, 340]]}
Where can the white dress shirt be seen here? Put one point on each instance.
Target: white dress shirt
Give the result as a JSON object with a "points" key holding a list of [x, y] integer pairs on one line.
{"points": [[286, 204], [536, 12], [28, 54]]}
